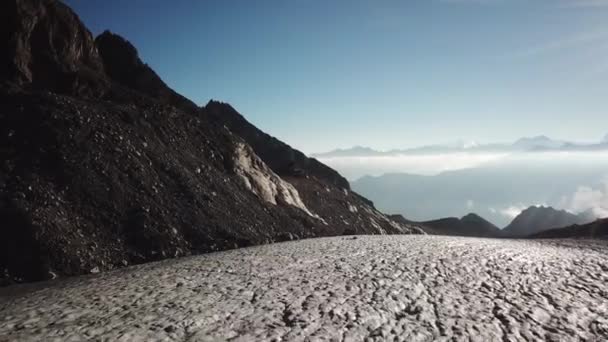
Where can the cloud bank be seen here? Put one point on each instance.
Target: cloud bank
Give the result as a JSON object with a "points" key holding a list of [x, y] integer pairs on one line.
{"points": [[511, 211], [434, 164], [594, 200], [431, 164]]}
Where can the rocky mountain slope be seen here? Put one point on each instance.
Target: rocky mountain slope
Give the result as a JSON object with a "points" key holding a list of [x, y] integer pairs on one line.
{"points": [[536, 219], [103, 165]]}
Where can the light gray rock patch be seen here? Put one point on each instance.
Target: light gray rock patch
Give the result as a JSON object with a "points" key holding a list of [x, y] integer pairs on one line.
{"points": [[375, 288]]}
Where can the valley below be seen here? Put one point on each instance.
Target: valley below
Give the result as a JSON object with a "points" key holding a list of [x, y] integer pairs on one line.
{"points": [[414, 288]]}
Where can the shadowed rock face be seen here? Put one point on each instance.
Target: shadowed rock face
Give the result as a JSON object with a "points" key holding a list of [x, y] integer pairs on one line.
{"points": [[123, 65], [121, 170], [45, 46]]}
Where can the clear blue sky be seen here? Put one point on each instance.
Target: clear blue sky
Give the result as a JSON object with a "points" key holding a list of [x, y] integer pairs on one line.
{"points": [[321, 74]]}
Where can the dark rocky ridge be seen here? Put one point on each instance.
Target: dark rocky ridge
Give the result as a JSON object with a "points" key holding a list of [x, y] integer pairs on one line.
{"points": [[468, 225], [536, 219], [95, 173], [123, 65], [596, 229]]}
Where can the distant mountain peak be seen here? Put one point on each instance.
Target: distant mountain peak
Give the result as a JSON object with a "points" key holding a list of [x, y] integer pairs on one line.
{"points": [[471, 216], [605, 139], [535, 219], [539, 141], [469, 225]]}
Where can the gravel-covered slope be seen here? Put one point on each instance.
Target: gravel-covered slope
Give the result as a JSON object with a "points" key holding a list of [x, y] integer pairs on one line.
{"points": [[405, 288]]}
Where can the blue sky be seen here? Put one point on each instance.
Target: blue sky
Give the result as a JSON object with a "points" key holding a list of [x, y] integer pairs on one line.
{"points": [[322, 74]]}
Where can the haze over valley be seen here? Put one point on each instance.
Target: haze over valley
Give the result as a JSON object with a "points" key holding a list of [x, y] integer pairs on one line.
{"points": [[496, 181]]}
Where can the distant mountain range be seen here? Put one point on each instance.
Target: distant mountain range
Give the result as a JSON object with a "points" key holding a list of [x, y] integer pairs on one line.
{"points": [[533, 221], [527, 144], [493, 191]]}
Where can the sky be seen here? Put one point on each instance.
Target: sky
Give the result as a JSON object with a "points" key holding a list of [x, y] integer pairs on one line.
{"points": [[322, 74]]}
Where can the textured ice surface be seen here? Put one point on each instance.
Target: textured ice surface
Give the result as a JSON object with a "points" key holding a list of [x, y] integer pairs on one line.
{"points": [[404, 288]]}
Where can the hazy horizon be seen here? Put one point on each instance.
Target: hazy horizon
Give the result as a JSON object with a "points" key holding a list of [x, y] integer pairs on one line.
{"points": [[398, 73], [495, 186]]}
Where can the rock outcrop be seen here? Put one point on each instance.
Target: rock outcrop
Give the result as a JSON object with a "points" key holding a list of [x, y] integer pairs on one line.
{"points": [[102, 165]]}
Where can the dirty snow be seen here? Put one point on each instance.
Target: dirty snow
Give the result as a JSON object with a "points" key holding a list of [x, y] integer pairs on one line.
{"points": [[403, 288]]}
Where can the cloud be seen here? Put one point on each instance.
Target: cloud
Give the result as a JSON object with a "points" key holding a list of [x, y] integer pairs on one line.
{"points": [[470, 204], [434, 164], [511, 211], [589, 199], [429, 164]]}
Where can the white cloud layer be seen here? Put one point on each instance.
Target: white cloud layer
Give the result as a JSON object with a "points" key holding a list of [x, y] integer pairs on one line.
{"points": [[511, 211], [589, 199], [431, 164]]}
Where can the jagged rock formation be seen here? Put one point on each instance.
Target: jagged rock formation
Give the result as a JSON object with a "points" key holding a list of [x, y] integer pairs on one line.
{"points": [[45, 46], [468, 225], [597, 229], [123, 65], [102, 165], [535, 219]]}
